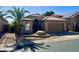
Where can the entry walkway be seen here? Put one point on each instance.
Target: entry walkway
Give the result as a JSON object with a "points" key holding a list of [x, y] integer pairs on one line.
{"points": [[7, 39]]}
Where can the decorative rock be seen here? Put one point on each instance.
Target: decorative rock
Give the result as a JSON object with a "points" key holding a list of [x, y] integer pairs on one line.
{"points": [[40, 32]]}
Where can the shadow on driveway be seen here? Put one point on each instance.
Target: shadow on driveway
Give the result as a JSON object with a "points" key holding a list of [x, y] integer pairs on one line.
{"points": [[64, 33], [27, 43]]}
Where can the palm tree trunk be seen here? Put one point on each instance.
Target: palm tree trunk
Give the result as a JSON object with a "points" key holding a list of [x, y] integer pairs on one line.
{"points": [[17, 34]]}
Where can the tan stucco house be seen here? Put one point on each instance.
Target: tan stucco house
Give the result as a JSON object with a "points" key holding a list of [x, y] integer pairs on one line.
{"points": [[3, 23], [28, 22], [53, 23]]}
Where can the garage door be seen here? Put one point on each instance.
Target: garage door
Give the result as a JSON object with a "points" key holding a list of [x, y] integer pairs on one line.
{"points": [[55, 27]]}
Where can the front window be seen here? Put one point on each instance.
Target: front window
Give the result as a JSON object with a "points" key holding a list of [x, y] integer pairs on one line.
{"points": [[27, 26], [74, 24]]}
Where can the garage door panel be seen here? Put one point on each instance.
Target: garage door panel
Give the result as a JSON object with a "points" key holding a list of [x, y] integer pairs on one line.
{"points": [[55, 27]]}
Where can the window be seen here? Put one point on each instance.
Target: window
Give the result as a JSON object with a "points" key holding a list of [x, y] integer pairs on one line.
{"points": [[27, 26], [74, 24]]}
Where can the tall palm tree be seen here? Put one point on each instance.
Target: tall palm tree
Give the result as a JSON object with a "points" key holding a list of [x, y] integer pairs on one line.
{"points": [[17, 14]]}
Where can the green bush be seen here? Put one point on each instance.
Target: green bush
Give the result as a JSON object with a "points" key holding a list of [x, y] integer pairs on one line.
{"points": [[71, 30], [11, 28]]}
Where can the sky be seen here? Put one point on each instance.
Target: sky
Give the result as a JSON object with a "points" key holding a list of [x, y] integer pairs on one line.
{"points": [[42, 9]]}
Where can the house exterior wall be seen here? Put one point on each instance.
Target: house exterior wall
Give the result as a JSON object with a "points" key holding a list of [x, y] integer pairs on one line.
{"points": [[55, 26], [31, 24], [2, 23], [0, 27], [72, 22]]}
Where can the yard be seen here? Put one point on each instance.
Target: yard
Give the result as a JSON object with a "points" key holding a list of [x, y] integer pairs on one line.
{"points": [[62, 42]]}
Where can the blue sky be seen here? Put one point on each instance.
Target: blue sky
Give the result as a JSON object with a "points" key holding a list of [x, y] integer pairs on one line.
{"points": [[42, 9]]}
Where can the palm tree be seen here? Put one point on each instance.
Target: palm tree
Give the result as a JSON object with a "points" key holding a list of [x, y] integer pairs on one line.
{"points": [[17, 14]]}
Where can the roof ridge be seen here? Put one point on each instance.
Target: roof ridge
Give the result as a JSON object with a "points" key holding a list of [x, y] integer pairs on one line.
{"points": [[45, 18]]}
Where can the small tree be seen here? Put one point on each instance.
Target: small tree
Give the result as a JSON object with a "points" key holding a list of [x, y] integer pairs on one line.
{"points": [[48, 13]]}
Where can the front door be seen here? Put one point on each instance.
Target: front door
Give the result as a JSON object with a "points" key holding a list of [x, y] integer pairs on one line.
{"points": [[37, 25]]}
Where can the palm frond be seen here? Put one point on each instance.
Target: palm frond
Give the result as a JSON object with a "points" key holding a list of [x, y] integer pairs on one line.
{"points": [[9, 17], [17, 14], [2, 14], [11, 12]]}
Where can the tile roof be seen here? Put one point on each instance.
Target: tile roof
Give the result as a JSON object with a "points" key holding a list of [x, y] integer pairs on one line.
{"points": [[26, 19], [54, 18], [72, 14]]}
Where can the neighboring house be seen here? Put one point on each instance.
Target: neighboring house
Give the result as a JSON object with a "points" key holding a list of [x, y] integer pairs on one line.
{"points": [[3, 24], [53, 23], [73, 21]]}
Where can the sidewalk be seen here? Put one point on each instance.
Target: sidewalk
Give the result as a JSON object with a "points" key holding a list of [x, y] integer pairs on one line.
{"points": [[58, 38], [2, 38]]}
